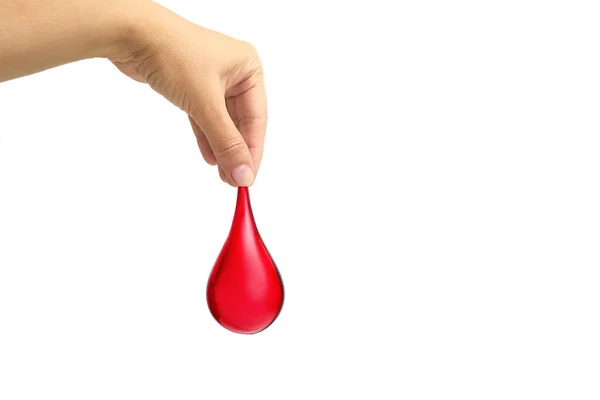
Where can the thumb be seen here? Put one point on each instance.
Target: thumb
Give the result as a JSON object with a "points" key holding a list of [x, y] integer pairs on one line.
{"points": [[228, 145]]}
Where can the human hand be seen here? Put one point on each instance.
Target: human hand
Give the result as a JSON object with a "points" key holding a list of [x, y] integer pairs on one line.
{"points": [[215, 79]]}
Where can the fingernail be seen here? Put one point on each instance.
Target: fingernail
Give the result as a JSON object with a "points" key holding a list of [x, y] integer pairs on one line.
{"points": [[242, 175]]}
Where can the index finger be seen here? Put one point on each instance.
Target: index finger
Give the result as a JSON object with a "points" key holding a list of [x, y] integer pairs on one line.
{"points": [[251, 110]]}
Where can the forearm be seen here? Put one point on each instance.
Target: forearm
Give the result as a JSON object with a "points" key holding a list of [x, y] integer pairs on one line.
{"points": [[40, 34]]}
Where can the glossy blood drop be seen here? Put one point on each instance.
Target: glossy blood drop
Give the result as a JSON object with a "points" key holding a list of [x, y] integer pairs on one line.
{"points": [[245, 291]]}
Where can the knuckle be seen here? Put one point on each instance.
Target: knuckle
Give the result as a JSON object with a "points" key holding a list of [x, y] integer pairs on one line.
{"points": [[250, 49], [230, 148], [250, 53]]}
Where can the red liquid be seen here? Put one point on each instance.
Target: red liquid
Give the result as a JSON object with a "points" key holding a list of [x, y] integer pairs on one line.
{"points": [[245, 291]]}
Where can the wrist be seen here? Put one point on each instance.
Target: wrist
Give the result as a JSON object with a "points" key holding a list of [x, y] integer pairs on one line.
{"points": [[135, 27]]}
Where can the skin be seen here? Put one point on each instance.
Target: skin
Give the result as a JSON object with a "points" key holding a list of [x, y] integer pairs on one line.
{"points": [[215, 79]]}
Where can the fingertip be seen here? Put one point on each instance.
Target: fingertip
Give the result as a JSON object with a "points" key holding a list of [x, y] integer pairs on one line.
{"points": [[211, 161], [208, 157], [203, 144], [223, 177], [205, 150], [242, 175]]}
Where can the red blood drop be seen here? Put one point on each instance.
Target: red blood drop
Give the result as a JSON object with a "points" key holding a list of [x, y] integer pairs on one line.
{"points": [[245, 291]]}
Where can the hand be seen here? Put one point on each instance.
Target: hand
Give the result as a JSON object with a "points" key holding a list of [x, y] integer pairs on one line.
{"points": [[215, 79]]}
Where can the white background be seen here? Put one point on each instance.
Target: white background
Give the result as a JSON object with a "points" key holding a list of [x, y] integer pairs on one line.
{"points": [[430, 192]]}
